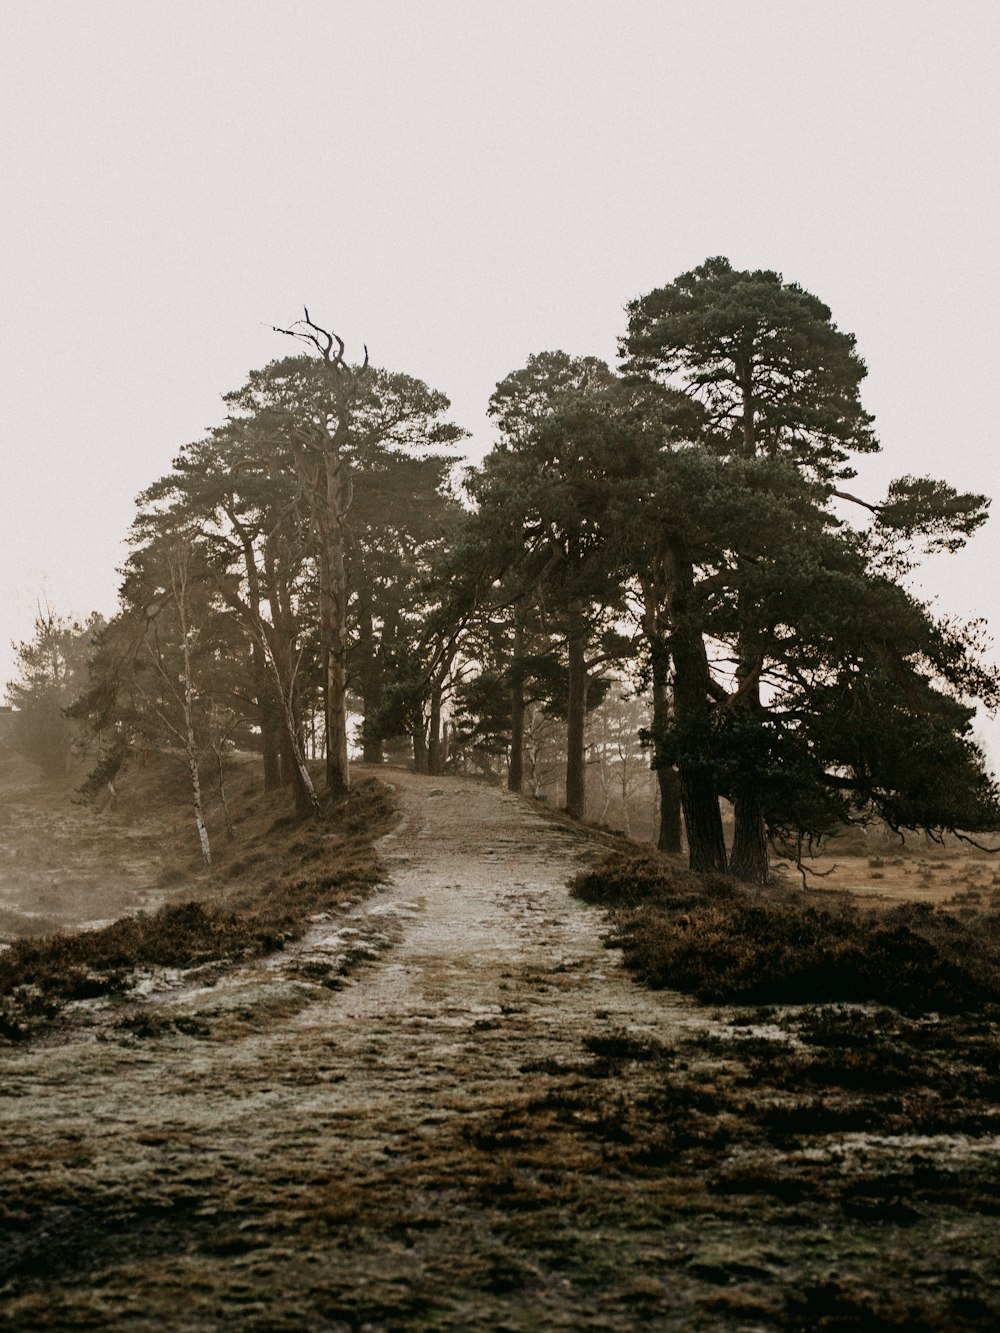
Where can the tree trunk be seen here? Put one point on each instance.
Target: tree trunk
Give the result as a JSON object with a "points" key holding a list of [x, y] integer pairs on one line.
{"points": [[668, 780], [576, 714], [692, 681], [668, 838], [515, 771], [199, 812], [297, 773], [749, 860], [419, 747], [702, 821], [434, 735], [270, 742]]}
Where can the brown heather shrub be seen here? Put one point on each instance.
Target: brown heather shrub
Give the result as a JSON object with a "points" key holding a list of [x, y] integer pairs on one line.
{"points": [[626, 881], [723, 942]]}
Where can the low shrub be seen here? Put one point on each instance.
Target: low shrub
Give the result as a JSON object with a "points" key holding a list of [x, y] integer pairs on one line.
{"points": [[626, 881], [724, 942]]}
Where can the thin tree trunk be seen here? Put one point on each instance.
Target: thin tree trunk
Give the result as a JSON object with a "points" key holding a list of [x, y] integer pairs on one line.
{"points": [[515, 771], [668, 837], [576, 714], [294, 764], [333, 624], [270, 741], [199, 813], [434, 735], [749, 860], [306, 800]]}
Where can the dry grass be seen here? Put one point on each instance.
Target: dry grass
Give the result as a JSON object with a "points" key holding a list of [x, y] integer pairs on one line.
{"points": [[276, 874]]}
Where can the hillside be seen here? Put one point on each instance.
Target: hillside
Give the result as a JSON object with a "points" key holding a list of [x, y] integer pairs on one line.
{"points": [[447, 1106]]}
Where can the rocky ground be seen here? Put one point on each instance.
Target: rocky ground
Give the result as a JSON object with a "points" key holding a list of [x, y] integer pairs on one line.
{"points": [[448, 1107]]}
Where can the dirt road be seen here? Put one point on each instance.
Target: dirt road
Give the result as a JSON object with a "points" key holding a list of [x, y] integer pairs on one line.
{"points": [[487, 1126]]}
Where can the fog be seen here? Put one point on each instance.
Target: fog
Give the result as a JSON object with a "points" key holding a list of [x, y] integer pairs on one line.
{"points": [[457, 186]]}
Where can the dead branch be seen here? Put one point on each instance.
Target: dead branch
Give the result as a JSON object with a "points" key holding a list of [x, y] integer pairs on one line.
{"points": [[807, 870], [964, 837]]}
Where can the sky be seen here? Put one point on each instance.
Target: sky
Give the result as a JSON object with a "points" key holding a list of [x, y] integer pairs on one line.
{"points": [[458, 184]]}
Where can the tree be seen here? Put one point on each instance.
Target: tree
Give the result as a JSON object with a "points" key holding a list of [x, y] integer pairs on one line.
{"points": [[239, 504], [161, 672], [868, 713], [540, 491], [330, 419], [51, 671], [776, 380]]}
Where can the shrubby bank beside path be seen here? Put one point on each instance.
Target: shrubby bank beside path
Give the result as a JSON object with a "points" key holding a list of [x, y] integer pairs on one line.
{"points": [[450, 1107]]}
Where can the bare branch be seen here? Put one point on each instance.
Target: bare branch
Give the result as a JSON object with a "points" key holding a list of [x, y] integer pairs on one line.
{"points": [[972, 843], [804, 870], [856, 499]]}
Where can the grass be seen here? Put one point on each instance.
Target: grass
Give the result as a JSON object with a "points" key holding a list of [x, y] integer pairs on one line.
{"points": [[282, 873], [722, 942]]}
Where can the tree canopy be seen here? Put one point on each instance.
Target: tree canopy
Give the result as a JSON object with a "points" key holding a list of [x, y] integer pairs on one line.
{"points": [[309, 578]]}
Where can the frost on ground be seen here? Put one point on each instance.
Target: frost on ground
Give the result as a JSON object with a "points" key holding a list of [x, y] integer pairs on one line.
{"points": [[452, 1109]]}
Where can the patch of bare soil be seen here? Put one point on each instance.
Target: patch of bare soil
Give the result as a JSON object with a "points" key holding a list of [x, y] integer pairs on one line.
{"points": [[449, 1108]]}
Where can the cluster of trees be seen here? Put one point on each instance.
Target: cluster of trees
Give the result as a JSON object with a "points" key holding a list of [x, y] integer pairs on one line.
{"points": [[672, 531], [52, 670], [695, 493]]}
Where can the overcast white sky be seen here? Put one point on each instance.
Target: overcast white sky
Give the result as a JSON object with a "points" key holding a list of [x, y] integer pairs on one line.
{"points": [[459, 183]]}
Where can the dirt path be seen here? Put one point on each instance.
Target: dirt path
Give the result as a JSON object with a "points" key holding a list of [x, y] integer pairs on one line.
{"points": [[488, 1126]]}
